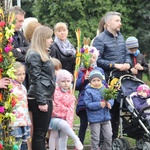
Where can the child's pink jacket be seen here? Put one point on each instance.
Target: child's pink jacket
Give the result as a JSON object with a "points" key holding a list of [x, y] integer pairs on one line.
{"points": [[64, 103]]}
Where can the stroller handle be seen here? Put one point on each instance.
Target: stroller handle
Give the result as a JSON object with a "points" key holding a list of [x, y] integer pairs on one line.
{"points": [[124, 72]]}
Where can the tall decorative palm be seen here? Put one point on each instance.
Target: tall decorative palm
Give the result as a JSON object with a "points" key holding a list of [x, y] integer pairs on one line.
{"points": [[7, 99]]}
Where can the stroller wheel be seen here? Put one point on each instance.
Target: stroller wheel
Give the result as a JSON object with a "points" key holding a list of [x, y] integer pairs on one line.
{"points": [[146, 146], [139, 143], [126, 145], [117, 144]]}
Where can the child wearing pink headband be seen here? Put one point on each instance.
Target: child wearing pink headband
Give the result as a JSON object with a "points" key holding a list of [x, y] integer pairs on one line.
{"points": [[142, 99]]}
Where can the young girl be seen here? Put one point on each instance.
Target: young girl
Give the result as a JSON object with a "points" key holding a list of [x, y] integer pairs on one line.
{"points": [[20, 128], [57, 66], [81, 83], [140, 100], [63, 114], [98, 111]]}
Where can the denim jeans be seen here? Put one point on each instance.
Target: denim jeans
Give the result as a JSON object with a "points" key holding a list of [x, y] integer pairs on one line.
{"points": [[41, 122]]}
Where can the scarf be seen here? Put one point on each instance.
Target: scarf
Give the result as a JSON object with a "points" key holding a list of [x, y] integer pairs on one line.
{"points": [[136, 53], [65, 47]]}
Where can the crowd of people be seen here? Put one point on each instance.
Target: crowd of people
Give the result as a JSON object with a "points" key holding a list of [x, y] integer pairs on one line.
{"points": [[44, 71]]}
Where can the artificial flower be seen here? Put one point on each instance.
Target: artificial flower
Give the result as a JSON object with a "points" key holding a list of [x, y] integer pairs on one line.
{"points": [[2, 23], [1, 50], [1, 147], [1, 58], [1, 109], [8, 48], [1, 97], [6, 70], [10, 40]]}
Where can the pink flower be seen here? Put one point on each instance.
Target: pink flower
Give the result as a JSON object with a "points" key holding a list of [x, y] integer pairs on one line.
{"points": [[1, 109], [10, 40], [2, 23], [8, 48]]}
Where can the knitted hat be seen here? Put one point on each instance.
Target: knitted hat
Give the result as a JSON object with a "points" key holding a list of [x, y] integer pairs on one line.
{"points": [[63, 75], [132, 42], [144, 87], [95, 74]]}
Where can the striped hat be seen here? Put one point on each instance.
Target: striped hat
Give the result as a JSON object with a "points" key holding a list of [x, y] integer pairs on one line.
{"points": [[95, 74], [132, 42]]}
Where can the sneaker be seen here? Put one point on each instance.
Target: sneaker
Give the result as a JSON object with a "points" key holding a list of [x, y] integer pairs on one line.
{"points": [[78, 145]]}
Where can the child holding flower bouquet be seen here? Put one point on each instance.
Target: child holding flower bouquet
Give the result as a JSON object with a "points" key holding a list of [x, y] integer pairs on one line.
{"points": [[89, 57], [97, 109], [20, 127]]}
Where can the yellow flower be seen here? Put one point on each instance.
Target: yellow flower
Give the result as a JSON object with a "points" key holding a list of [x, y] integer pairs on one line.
{"points": [[1, 13], [1, 50], [9, 32], [1, 118], [10, 54], [78, 54]]}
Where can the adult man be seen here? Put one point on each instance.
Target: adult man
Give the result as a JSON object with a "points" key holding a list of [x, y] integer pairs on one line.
{"points": [[112, 49], [20, 43]]}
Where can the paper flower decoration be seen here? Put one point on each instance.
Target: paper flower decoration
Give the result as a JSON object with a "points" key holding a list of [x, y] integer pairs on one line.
{"points": [[7, 99]]}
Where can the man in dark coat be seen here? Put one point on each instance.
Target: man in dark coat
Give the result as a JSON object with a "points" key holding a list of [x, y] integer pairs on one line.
{"points": [[20, 44], [113, 55]]}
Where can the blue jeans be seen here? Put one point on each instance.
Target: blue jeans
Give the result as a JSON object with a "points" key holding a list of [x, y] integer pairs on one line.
{"points": [[41, 122]]}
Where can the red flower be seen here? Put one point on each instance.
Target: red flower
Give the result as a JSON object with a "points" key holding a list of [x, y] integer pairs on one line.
{"points": [[13, 102], [1, 58], [2, 23], [1, 147]]}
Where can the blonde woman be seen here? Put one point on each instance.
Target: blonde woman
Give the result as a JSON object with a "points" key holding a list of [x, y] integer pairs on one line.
{"points": [[40, 93], [62, 49]]}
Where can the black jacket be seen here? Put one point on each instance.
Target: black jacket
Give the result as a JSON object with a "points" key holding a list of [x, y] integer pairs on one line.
{"points": [[68, 62], [20, 42], [42, 77], [142, 61]]}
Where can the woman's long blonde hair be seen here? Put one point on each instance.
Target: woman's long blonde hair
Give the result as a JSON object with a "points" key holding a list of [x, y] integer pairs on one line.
{"points": [[38, 41]]}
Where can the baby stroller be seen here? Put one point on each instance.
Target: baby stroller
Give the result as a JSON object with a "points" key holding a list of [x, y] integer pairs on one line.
{"points": [[132, 124]]}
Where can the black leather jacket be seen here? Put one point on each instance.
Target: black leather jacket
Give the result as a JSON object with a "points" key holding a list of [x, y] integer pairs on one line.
{"points": [[42, 77]]}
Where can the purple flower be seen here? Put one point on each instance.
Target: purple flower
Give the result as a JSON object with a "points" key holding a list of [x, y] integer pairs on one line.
{"points": [[92, 51], [82, 50]]}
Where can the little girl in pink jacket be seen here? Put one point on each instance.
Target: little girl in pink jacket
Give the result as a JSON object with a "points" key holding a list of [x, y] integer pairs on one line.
{"points": [[63, 114]]}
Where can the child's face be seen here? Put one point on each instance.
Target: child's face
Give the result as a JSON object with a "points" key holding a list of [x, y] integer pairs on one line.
{"points": [[20, 74], [133, 50], [96, 82], [142, 93], [65, 84], [62, 33], [93, 59]]}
